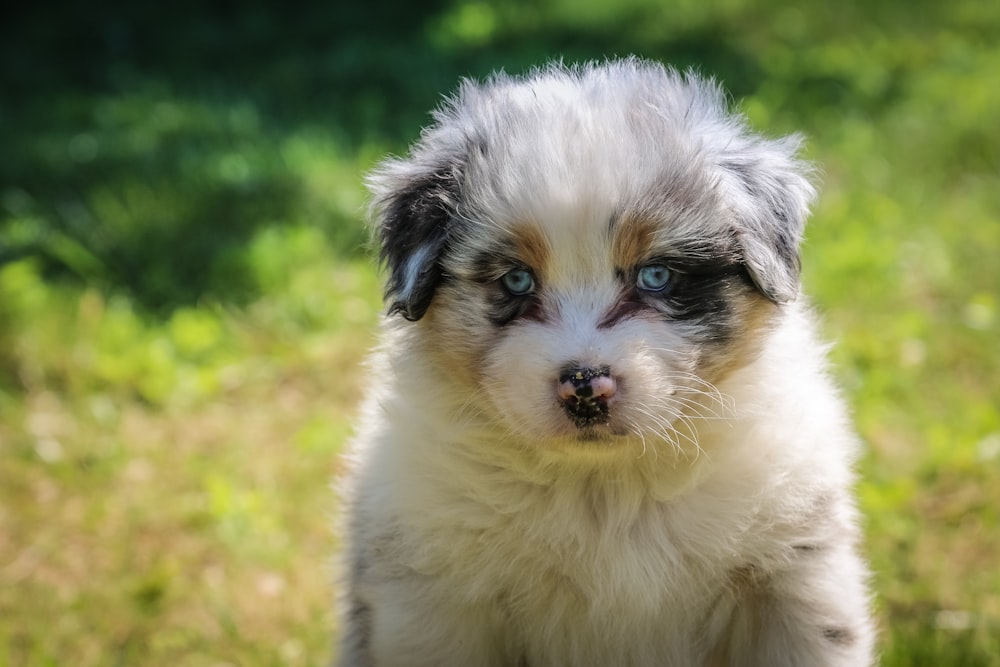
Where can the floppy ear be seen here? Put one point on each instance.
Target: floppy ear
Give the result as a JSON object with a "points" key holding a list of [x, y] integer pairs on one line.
{"points": [[772, 200], [413, 208]]}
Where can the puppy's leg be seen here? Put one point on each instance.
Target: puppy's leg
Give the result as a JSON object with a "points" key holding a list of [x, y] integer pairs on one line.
{"points": [[814, 614]]}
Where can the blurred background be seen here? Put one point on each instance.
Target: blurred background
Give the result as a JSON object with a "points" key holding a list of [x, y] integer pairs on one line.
{"points": [[186, 293]]}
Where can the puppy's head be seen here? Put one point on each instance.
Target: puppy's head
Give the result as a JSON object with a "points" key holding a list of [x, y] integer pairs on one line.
{"points": [[585, 251]]}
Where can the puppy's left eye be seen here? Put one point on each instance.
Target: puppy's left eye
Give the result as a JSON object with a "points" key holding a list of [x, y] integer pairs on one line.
{"points": [[518, 282], [653, 278]]}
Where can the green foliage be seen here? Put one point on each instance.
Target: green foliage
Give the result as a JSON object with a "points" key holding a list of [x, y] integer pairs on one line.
{"points": [[185, 294]]}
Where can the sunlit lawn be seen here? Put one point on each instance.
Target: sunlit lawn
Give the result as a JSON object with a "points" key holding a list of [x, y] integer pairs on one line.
{"points": [[186, 530]]}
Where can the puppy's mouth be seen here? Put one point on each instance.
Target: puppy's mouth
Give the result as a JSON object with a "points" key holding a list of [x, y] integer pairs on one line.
{"points": [[599, 434], [593, 436]]}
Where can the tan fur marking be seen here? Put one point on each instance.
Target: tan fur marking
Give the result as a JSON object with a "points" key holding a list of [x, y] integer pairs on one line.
{"points": [[452, 318], [633, 238], [532, 246], [756, 315]]}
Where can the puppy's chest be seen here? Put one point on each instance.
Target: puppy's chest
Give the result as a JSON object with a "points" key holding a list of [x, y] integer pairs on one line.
{"points": [[574, 556]]}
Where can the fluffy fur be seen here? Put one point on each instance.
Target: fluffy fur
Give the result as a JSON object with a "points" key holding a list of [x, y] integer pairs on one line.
{"points": [[563, 462]]}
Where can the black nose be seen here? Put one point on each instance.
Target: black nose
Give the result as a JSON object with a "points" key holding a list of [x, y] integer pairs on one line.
{"points": [[585, 393]]}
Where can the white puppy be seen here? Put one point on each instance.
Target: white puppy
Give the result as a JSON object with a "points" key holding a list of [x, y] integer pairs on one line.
{"points": [[602, 432]]}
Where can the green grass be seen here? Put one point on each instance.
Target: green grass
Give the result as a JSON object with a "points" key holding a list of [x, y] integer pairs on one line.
{"points": [[185, 299], [166, 483]]}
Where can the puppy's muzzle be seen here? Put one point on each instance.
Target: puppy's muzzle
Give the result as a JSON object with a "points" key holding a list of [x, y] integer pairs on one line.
{"points": [[585, 394]]}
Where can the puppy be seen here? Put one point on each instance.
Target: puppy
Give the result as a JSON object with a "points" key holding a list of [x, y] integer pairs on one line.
{"points": [[601, 431]]}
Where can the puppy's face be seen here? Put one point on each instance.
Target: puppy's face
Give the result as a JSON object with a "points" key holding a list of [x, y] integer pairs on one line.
{"points": [[585, 253]]}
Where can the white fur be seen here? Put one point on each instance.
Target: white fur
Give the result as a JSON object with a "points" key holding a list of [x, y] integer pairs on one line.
{"points": [[710, 521]]}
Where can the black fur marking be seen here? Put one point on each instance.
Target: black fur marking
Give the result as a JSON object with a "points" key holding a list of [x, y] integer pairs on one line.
{"points": [[504, 307], [699, 292], [360, 616], [491, 265], [705, 299], [416, 222], [839, 636]]}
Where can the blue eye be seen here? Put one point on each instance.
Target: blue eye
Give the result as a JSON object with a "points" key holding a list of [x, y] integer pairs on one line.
{"points": [[518, 282], [653, 278]]}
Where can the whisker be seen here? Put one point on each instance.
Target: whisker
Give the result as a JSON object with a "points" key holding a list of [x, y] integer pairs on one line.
{"points": [[666, 429]]}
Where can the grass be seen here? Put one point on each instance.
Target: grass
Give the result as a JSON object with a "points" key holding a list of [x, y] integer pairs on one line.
{"points": [[185, 302], [186, 520]]}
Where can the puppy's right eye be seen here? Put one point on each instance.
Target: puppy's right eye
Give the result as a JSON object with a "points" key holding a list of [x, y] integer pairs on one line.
{"points": [[518, 282]]}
